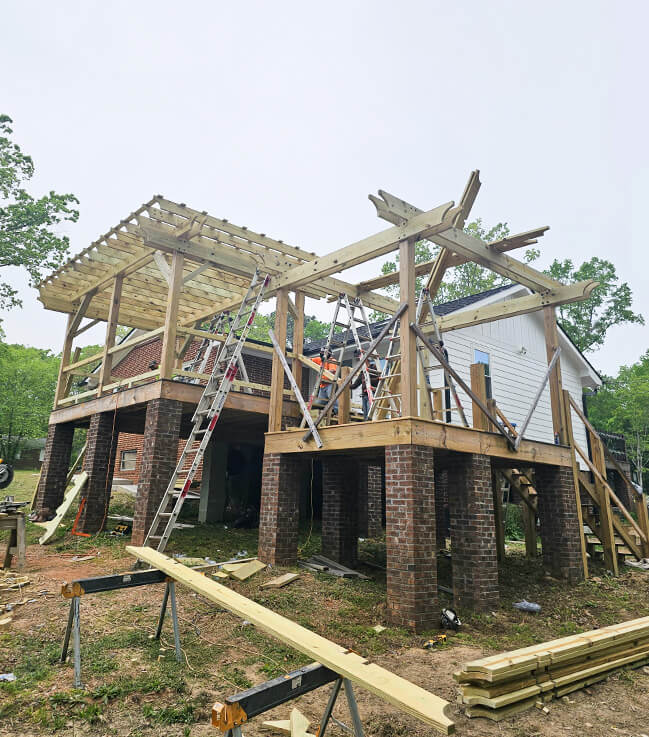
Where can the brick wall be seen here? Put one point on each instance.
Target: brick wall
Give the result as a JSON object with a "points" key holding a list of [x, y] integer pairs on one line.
{"points": [[560, 533], [279, 513], [51, 485], [441, 507], [473, 532], [161, 429], [410, 536], [135, 441], [340, 477], [370, 500]]}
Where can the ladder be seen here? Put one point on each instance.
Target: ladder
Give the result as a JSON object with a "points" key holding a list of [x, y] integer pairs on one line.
{"points": [[208, 411], [384, 398], [355, 320], [199, 362]]}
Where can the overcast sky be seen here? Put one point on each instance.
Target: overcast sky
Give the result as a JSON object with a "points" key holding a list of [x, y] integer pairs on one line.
{"points": [[283, 116]]}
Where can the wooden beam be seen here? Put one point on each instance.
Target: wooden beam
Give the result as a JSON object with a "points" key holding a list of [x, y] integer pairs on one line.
{"points": [[168, 356], [123, 269], [81, 311], [298, 337], [407, 340], [513, 307], [479, 386], [395, 690], [111, 332], [163, 266], [277, 372], [85, 327], [61, 382], [475, 250], [556, 388], [344, 404]]}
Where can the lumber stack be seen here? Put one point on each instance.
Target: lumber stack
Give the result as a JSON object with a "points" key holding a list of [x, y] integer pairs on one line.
{"points": [[502, 685]]}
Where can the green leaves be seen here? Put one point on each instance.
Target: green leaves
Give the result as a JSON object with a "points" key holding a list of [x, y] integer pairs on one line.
{"points": [[610, 304], [28, 236]]}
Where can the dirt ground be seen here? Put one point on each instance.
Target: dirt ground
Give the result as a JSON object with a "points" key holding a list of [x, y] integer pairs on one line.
{"points": [[134, 688]]}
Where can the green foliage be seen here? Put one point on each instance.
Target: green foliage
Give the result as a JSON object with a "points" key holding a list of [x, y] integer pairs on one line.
{"points": [[27, 225], [610, 303], [314, 329], [513, 522], [27, 383], [622, 406]]}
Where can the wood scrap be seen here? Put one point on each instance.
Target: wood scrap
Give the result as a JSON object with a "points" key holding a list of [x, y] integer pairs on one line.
{"points": [[338, 569], [299, 723], [279, 725], [5, 622], [280, 581], [502, 685], [244, 572]]}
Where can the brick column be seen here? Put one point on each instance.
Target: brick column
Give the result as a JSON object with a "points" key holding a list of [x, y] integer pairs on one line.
{"points": [[441, 507], [99, 463], [279, 515], [159, 458], [340, 483], [410, 536], [51, 485], [374, 501], [560, 533], [474, 555]]}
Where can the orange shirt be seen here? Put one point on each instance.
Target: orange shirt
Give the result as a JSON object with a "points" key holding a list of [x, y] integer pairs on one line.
{"points": [[331, 367]]}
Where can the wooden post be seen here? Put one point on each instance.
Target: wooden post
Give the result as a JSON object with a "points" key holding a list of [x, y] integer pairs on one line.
{"points": [[496, 486], [407, 340], [556, 388], [575, 474], [277, 375], [479, 386], [344, 403], [111, 332], [643, 521], [298, 337], [423, 389], [605, 513], [529, 520], [438, 405], [61, 383], [168, 358]]}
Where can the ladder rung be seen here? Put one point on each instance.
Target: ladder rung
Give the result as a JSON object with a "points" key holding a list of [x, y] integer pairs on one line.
{"points": [[155, 537], [165, 514]]}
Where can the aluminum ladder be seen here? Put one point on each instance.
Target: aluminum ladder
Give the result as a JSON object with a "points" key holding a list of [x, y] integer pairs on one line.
{"points": [[208, 411]]}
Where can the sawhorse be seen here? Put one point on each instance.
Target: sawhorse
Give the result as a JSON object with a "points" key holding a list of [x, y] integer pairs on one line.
{"points": [[15, 523], [241, 707], [75, 590]]}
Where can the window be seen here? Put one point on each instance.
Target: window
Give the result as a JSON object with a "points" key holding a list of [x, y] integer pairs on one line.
{"points": [[482, 357], [127, 460]]}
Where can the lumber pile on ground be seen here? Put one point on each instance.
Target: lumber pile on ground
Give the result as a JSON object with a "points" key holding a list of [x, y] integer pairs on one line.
{"points": [[511, 682]]}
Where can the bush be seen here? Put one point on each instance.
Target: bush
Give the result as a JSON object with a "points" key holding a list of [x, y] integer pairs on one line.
{"points": [[514, 522]]}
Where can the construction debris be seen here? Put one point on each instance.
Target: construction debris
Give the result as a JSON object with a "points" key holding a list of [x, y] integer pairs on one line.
{"points": [[505, 684], [245, 571], [78, 482], [320, 564], [280, 581]]}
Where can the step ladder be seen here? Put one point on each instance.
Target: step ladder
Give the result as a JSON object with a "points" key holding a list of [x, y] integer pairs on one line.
{"points": [[208, 411], [384, 397], [357, 317]]}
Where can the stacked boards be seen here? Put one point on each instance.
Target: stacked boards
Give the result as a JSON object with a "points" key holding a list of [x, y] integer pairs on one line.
{"points": [[500, 686]]}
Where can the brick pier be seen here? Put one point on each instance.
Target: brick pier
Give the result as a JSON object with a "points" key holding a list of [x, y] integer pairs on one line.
{"points": [[340, 477], [56, 462]]}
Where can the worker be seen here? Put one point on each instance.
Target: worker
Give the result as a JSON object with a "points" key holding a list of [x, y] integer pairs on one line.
{"points": [[324, 390], [375, 374]]}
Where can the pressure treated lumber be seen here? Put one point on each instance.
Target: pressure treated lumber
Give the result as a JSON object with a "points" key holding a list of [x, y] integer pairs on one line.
{"points": [[50, 527], [395, 690]]}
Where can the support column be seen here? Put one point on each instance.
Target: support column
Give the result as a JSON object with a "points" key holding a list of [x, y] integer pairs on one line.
{"points": [[159, 458], [51, 485], [279, 515], [560, 532], [99, 463], [340, 476], [277, 371], [407, 339], [474, 552], [410, 536], [441, 507], [213, 483]]}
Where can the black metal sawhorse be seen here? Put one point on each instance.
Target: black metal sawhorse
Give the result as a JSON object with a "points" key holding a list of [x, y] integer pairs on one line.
{"points": [[241, 707], [75, 590]]}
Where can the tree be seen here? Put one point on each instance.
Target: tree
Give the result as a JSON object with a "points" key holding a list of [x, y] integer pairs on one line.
{"points": [[27, 383], [314, 329], [622, 406], [27, 225], [588, 322]]}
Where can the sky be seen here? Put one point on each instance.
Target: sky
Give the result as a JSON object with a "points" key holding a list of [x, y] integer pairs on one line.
{"points": [[284, 116]]}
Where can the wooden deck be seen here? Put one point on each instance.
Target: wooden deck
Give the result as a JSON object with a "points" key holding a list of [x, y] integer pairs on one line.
{"points": [[360, 436]]}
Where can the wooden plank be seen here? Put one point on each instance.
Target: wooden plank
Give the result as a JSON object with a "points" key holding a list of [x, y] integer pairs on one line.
{"points": [[168, 356], [280, 581], [244, 572], [395, 690], [407, 341], [556, 388], [277, 371], [50, 527], [479, 387], [111, 332], [344, 403], [298, 337]]}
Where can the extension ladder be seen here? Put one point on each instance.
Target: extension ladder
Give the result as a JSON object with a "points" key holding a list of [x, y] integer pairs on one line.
{"points": [[384, 397], [354, 321], [208, 411]]}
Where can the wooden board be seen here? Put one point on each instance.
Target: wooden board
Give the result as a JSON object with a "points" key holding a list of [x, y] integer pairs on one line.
{"points": [[241, 573], [395, 690], [78, 483], [280, 581]]}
